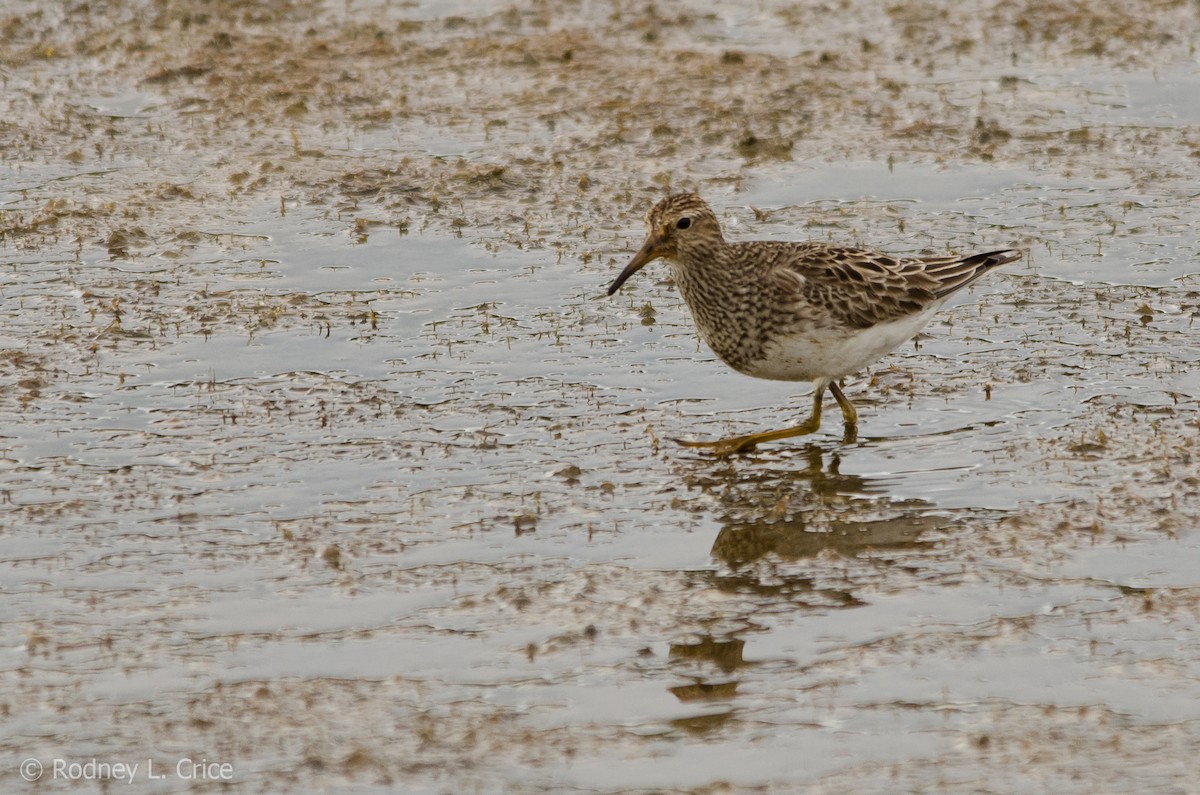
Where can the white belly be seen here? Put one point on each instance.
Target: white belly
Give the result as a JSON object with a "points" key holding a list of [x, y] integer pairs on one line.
{"points": [[831, 354]]}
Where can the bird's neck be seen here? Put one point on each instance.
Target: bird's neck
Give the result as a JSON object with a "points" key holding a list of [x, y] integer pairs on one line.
{"points": [[710, 280]]}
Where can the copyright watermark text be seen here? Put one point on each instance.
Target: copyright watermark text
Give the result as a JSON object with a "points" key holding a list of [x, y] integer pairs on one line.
{"points": [[185, 769]]}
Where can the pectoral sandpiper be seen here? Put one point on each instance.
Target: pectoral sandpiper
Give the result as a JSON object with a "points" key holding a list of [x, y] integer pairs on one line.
{"points": [[797, 311]]}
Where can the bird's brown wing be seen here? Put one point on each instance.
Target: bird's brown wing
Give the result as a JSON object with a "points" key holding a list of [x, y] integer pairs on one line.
{"points": [[952, 273], [853, 287], [859, 288]]}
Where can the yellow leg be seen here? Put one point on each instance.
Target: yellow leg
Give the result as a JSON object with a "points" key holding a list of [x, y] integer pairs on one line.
{"points": [[849, 415], [741, 444]]}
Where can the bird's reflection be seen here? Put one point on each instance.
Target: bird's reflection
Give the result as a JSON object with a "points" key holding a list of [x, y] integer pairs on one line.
{"points": [[726, 655], [789, 513], [781, 521]]}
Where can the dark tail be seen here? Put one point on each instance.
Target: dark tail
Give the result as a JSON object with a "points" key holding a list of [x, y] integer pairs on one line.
{"points": [[954, 273]]}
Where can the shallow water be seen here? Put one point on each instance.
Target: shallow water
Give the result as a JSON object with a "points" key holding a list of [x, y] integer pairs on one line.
{"points": [[326, 456]]}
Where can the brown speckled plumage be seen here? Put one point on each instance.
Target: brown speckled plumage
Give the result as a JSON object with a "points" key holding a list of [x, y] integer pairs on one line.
{"points": [[797, 311]]}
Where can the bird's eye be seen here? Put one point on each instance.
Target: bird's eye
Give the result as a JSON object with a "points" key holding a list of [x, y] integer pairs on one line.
{"points": [[683, 223]]}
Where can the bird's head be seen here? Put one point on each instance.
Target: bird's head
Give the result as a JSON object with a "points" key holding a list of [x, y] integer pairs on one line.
{"points": [[678, 223]]}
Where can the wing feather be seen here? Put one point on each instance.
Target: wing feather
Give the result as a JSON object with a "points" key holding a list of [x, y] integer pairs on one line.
{"points": [[859, 288]]}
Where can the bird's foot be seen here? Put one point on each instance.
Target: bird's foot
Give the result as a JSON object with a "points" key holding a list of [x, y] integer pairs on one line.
{"points": [[722, 447], [744, 444]]}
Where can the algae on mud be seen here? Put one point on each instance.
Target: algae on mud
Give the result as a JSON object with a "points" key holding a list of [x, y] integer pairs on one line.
{"points": [[323, 455]]}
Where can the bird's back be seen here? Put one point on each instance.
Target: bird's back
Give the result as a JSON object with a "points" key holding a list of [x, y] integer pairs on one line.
{"points": [[859, 288]]}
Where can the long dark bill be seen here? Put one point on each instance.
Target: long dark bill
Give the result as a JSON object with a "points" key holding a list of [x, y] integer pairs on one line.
{"points": [[648, 253]]}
